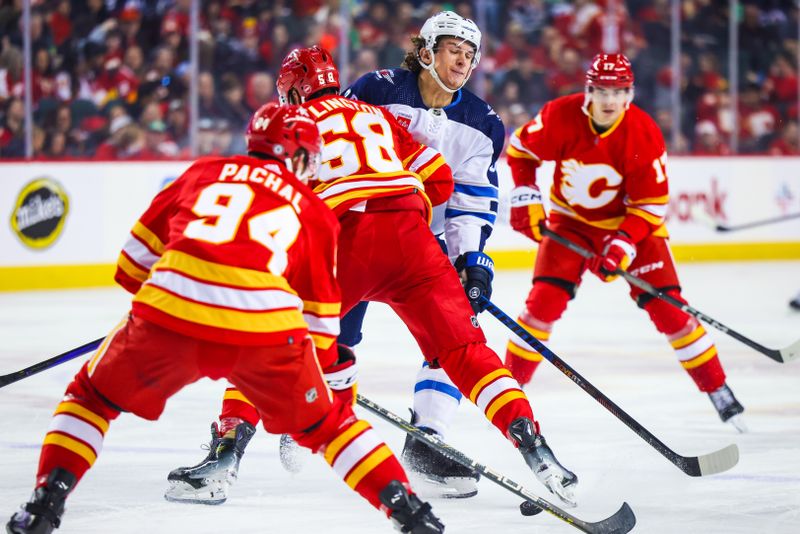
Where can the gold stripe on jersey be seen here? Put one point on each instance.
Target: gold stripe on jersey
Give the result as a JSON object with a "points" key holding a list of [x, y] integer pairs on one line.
{"points": [[80, 411], [655, 220], [559, 206], [72, 445], [476, 390], [701, 359], [502, 400], [236, 395], [219, 273], [332, 309], [145, 235], [322, 341], [263, 322], [131, 269], [368, 464], [514, 152], [340, 441], [425, 171], [664, 199]]}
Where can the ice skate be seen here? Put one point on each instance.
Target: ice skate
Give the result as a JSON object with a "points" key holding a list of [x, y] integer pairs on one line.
{"points": [[436, 475], [540, 458], [43, 513], [208, 481], [728, 408], [408, 512]]}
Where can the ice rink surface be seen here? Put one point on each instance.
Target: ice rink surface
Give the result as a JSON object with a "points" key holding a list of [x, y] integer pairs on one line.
{"points": [[602, 335]]}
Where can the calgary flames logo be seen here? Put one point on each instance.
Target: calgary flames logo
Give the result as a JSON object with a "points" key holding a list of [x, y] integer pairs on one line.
{"points": [[590, 186]]}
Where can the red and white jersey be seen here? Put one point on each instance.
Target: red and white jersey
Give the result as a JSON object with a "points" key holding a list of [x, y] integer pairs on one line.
{"points": [[367, 154], [612, 180], [237, 250]]}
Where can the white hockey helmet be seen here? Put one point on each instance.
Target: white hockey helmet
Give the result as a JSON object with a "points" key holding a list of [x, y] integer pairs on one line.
{"points": [[448, 23]]}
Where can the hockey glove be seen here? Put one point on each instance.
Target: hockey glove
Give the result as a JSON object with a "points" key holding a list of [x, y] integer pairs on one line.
{"points": [[618, 253], [342, 376], [527, 211], [476, 270]]}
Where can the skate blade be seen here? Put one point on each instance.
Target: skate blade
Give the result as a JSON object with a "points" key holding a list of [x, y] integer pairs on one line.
{"points": [[184, 493], [433, 487], [565, 494], [737, 421]]}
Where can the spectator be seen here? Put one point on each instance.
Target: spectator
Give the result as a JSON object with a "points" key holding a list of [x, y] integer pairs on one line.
{"points": [[707, 141], [12, 136], [788, 142], [231, 104]]}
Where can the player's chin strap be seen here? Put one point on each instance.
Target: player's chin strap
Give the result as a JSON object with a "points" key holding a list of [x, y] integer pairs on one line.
{"points": [[431, 68]]}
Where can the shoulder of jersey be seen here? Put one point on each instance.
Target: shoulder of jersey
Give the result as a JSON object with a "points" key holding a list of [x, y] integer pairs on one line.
{"points": [[475, 106], [379, 83], [643, 124]]}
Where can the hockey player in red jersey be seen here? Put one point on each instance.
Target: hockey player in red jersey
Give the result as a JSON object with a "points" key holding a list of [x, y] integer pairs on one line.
{"points": [[232, 270], [382, 185], [610, 193]]}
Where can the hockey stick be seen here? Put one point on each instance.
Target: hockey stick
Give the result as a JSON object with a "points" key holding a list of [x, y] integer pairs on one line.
{"points": [[622, 521], [696, 466], [52, 362], [781, 355], [733, 227]]}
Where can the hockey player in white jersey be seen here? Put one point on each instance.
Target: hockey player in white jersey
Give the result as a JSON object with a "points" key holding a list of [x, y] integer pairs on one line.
{"points": [[428, 97]]}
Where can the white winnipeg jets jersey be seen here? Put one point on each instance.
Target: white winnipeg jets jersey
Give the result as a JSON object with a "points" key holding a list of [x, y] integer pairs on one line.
{"points": [[470, 136]]}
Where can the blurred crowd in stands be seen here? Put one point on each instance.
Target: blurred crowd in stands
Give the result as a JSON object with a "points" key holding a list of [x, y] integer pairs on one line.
{"points": [[111, 78]]}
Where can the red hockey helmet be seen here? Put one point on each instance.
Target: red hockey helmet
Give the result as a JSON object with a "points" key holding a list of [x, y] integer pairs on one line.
{"points": [[610, 70], [307, 70], [281, 131]]}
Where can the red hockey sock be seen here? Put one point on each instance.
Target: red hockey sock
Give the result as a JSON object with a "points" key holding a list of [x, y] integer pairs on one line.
{"points": [[76, 432], [236, 406], [354, 451]]}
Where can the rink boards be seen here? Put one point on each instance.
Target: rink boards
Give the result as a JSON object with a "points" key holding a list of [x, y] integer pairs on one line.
{"points": [[64, 223]]}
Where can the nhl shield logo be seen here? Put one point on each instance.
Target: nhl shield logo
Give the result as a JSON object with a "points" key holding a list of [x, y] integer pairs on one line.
{"points": [[311, 395], [474, 321]]}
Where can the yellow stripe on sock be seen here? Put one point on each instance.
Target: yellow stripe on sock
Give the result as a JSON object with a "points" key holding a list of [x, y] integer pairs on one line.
{"points": [[72, 445], [368, 464], [76, 409], [689, 338], [530, 355], [473, 395], [343, 439], [501, 401], [700, 360], [235, 394]]}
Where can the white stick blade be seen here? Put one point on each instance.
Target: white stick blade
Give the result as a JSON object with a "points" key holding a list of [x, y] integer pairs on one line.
{"points": [[791, 352], [719, 461]]}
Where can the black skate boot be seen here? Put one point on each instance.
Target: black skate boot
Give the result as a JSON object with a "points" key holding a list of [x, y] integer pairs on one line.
{"points": [[208, 481], [408, 512], [434, 474], [795, 303], [43, 513], [728, 408], [537, 454]]}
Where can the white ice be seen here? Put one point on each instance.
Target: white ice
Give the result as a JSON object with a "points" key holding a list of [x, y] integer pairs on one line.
{"points": [[603, 336]]}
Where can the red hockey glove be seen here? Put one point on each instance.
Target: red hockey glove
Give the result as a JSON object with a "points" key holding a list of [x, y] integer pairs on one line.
{"points": [[618, 253], [527, 211], [342, 376]]}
